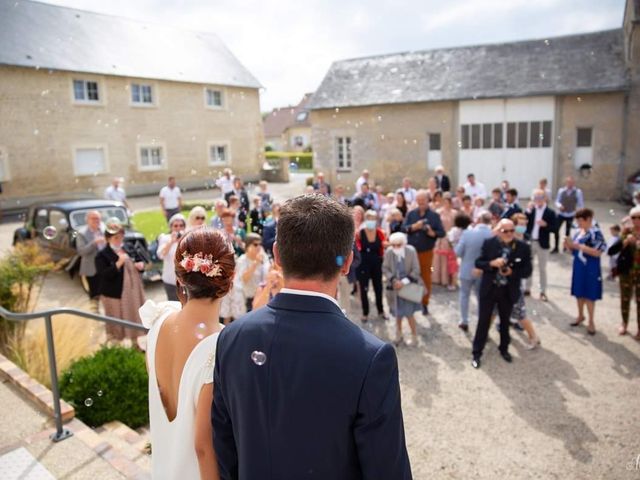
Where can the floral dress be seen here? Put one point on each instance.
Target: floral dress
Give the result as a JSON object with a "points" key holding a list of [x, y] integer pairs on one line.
{"points": [[444, 260]]}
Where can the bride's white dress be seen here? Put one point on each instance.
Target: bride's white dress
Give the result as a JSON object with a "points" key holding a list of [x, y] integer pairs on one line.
{"points": [[173, 454]]}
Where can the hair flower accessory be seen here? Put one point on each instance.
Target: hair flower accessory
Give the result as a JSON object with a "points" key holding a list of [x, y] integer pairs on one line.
{"points": [[203, 264]]}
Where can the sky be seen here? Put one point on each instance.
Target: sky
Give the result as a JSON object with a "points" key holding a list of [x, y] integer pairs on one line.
{"points": [[289, 45]]}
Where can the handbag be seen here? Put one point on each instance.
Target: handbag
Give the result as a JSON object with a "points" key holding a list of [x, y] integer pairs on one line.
{"points": [[412, 292]]}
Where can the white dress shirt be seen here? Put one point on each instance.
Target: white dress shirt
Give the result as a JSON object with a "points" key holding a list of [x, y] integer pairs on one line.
{"points": [[535, 233], [293, 291]]}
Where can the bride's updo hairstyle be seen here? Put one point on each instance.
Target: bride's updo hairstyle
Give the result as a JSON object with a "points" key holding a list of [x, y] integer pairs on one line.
{"points": [[204, 265]]}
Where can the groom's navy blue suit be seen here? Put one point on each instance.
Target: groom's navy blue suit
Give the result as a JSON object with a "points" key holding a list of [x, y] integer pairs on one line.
{"points": [[324, 405]]}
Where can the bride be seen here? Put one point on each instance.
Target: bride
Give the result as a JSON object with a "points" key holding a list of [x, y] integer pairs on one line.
{"points": [[181, 347]]}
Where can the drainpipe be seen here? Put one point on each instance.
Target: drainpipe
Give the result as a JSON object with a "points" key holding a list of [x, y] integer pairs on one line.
{"points": [[623, 150]]}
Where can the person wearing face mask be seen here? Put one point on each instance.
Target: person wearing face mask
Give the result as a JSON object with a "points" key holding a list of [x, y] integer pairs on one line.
{"points": [[401, 267], [541, 222], [167, 245], [370, 242], [519, 311], [504, 261], [121, 290]]}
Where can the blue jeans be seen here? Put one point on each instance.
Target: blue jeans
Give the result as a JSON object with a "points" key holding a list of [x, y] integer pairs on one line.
{"points": [[466, 285]]}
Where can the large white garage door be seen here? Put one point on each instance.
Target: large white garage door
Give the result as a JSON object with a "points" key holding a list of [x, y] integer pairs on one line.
{"points": [[507, 139]]}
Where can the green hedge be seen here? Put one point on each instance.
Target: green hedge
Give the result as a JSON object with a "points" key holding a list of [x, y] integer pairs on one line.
{"points": [[110, 385], [304, 160]]}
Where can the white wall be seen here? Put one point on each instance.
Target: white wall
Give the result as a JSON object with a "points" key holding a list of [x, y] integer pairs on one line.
{"points": [[523, 167]]}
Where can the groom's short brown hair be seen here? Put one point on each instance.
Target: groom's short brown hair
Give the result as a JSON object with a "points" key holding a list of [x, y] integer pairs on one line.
{"points": [[314, 237]]}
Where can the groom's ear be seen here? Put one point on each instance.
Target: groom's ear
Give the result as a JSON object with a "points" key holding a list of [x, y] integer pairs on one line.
{"points": [[276, 255]]}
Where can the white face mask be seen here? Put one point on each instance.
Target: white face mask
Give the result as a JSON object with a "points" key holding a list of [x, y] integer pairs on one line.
{"points": [[370, 224]]}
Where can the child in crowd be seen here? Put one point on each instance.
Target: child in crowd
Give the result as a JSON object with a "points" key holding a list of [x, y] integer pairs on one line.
{"points": [[496, 206], [615, 231], [265, 198]]}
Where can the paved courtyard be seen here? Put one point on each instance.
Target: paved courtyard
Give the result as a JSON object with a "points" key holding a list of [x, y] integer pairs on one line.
{"points": [[566, 410]]}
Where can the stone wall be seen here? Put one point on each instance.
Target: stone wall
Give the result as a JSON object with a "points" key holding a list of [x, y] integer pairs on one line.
{"points": [[604, 113], [391, 141], [42, 124]]}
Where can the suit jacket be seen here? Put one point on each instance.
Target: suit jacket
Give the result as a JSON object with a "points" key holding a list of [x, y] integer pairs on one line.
{"points": [[444, 184], [87, 250], [244, 199], [316, 186], [511, 211], [519, 260], [325, 404], [469, 248], [111, 277], [549, 216]]}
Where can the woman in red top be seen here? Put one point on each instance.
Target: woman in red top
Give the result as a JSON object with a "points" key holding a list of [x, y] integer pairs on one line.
{"points": [[371, 243]]}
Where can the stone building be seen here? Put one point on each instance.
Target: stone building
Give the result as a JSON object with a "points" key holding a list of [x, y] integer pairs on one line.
{"points": [[85, 97], [288, 129], [519, 111]]}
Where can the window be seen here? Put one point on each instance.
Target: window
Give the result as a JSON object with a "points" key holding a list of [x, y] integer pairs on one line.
{"points": [[86, 91], [213, 98], [546, 134], [584, 137], [464, 136], [497, 135], [475, 136], [4, 165], [151, 158], [302, 116], [298, 141], [218, 154], [89, 161], [343, 153], [511, 135], [535, 134], [486, 135], [523, 129], [141, 94], [434, 141]]}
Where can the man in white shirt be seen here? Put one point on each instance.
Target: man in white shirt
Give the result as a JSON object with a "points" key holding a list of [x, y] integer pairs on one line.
{"points": [[474, 189], [364, 178], [116, 193], [170, 198], [408, 192], [225, 182], [541, 222]]}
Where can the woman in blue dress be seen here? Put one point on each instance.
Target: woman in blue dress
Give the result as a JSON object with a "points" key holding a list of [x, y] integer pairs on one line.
{"points": [[586, 246]]}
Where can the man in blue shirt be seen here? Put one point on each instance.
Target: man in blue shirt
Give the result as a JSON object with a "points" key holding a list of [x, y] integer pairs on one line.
{"points": [[469, 249], [423, 227]]}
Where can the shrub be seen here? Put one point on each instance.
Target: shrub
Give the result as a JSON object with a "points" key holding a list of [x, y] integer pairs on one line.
{"points": [[74, 338], [110, 385], [21, 269], [304, 160]]}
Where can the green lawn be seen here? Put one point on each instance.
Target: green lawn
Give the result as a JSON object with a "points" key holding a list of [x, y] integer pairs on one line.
{"points": [[152, 223]]}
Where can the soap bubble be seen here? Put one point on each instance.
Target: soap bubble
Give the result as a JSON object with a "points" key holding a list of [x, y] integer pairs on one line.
{"points": [[49, 232], [612, 212], [36, 131], [258, 357], [99, 393], [88, 402], [113, 225]]}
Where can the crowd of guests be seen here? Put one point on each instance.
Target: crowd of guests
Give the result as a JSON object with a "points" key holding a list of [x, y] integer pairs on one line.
{"points": [[407, 242], [481, 242]]}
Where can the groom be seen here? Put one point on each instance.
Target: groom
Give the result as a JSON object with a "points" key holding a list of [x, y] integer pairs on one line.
{"points": [[299, 390]]}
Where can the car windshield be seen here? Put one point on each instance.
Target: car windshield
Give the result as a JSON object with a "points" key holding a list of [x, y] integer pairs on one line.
{"points": [[78, 217]]}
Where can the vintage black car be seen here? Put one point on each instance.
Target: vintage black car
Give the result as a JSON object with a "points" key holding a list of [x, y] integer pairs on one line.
{"points": [[54, 225]]}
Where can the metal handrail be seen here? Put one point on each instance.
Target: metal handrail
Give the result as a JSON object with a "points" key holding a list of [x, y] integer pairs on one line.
{"points": [[61, 433]]}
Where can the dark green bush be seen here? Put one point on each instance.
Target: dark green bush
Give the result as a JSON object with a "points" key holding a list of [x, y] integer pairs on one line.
{"points": [[110, 385], [304, 160]]}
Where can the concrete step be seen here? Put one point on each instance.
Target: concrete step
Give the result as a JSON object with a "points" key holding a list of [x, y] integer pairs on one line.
{"points": [[129, 443]]}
